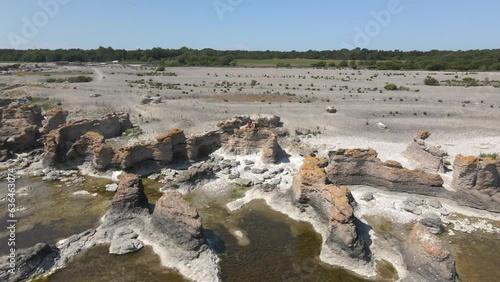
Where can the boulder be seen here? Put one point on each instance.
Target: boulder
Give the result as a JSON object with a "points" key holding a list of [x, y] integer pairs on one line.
{"points": [[425, 254], [363, 167], [175, 218], [124, 242], [333, 204], [331, 110]]}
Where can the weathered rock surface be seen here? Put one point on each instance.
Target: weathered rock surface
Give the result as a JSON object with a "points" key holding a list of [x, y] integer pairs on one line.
{"points": [[164, 149], [426, 255], [477, 181], [201, 146], [91, 147], [55, 118], [177, 219], [427, 157], [334, 205], [58, 142], [247, 141], [243, 135], [29, 263], [363, 167], [130, 195], [19, 127]]}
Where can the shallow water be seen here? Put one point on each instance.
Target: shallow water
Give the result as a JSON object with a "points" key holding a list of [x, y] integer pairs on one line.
{"points": [[273, 248], [52, 213], [97, 264], [477, 255], [280, 249]]}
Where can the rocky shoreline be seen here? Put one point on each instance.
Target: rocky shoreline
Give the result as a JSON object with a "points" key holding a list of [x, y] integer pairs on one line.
{"points": [[248, 151]]}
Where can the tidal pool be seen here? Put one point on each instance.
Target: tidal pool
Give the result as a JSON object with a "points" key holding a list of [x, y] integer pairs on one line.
{"points": [[51, 212]]}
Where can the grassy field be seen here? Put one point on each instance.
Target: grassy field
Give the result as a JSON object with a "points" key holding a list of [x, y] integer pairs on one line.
{"points": [[274, 62]]}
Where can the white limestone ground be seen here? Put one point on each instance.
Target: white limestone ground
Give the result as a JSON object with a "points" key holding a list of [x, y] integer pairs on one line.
{"points": [[390, 205]]}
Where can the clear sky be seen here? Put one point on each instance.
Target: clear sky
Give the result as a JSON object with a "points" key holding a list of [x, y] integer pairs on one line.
{"points": [[251, 24]]}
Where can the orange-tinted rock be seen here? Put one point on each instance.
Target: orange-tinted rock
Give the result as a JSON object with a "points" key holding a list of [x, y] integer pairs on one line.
{"points": [[333, 204], [480, 178], [425, 254]]}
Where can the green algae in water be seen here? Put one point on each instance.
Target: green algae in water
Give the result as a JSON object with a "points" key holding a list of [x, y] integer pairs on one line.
{"points": [[52, 213], [97, 264]]}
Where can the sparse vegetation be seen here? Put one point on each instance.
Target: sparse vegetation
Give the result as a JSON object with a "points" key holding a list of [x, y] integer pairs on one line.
{"points": [[133, 132], [391, 87], [431, 81], [76, 79], [489, 155]]}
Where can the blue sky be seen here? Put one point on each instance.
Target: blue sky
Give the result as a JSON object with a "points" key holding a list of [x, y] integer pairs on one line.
{"points": [[251, 24]]}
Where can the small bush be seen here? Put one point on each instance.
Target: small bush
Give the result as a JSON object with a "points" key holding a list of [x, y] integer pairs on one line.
{"points": [[391, 87], [133, 132], [431, 81]]}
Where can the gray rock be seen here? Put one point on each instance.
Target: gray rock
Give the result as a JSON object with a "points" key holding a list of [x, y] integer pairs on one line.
{"points": [[274, 181], [367, 196], [249, 162], [433, 224], [412, 208], [226, 171], [259, 170], [29, 263], [124, 242], [244, 182], [416, 201], [434, 203], [234, 175]]}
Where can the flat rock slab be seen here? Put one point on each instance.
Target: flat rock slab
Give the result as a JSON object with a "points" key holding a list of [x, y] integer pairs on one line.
{"points": [[125, 242]]}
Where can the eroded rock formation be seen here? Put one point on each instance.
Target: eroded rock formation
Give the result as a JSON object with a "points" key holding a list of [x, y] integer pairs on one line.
{"points": [[91, 147], [55, 118], [427, 256], [479, 180], [334, 204], [58, 142], [427, 157], [176, 218], [163, 149], [130, 195], [363, 167], [245, 135], [19, 128]]}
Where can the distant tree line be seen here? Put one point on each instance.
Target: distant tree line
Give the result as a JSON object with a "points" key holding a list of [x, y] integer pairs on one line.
{"points": [[433, 60]]}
